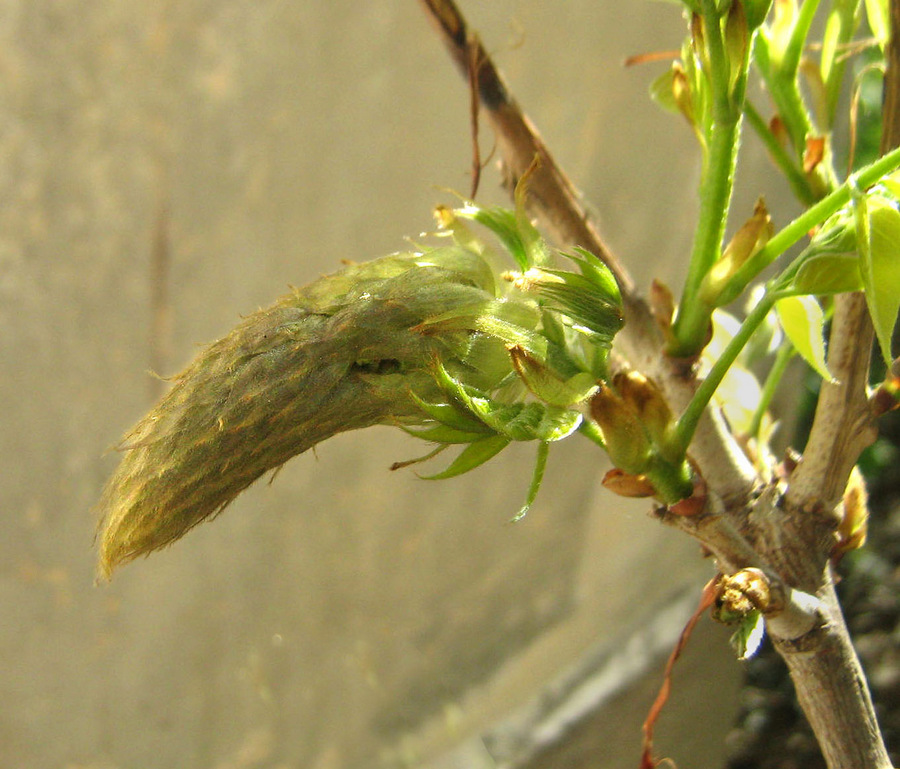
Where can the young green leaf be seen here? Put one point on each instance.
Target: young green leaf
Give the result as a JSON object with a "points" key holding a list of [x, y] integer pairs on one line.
{"points": [[879, 250], [803, 322]]}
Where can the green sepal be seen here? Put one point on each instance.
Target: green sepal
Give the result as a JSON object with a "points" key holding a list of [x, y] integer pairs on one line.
{"points": [[517, 421], [577, 297], [535, 248], [598, 273], [468, 265], [511, 322], [549, 387], [444, 434], [503, 223], [472, 456], [450, 415], [537, 476], [535, 421], [828, 274]]}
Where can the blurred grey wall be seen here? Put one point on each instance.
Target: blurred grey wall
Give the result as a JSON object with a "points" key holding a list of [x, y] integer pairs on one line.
{"points": [[164, 168]]}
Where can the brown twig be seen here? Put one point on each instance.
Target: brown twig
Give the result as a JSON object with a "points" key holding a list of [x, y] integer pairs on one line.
{"points": [[823, 663], [554, 198], [824, 667], [473, 66]]}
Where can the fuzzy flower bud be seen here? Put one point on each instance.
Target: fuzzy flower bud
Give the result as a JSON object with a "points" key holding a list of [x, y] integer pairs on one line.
{"points": [[339, 354]]}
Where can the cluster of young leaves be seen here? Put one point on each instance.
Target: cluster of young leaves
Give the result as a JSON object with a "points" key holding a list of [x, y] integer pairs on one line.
{"points": [[534, 354]]}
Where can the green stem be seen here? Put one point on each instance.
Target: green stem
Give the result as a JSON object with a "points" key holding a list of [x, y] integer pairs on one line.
{"points": [[719, 65], [691, 326], [781, 157], [672, 482], [782, 358], [786, 95], [687, 422], [692, 321], [791, 60], [845, 15]]}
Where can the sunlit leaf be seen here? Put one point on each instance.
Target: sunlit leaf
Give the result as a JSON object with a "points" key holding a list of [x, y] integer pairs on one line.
{"points": [[879, 251], [803, 322], [738, 396], [892, 182], [739, 393], [879, 17]]}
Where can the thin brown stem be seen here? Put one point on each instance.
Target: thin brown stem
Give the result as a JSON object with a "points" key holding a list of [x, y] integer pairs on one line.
{"points": [[741, 527], [552, 195], [824, 667]]}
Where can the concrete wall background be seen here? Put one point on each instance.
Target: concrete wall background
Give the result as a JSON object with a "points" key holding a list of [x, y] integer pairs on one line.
{"points": [[342, 617]]}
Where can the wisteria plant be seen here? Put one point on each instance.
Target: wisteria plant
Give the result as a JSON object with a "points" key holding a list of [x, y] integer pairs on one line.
{"points": [[483, 333]]}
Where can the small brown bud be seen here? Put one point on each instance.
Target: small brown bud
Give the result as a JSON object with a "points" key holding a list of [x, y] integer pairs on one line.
{"points": [[626, 485], [626, 441]]}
